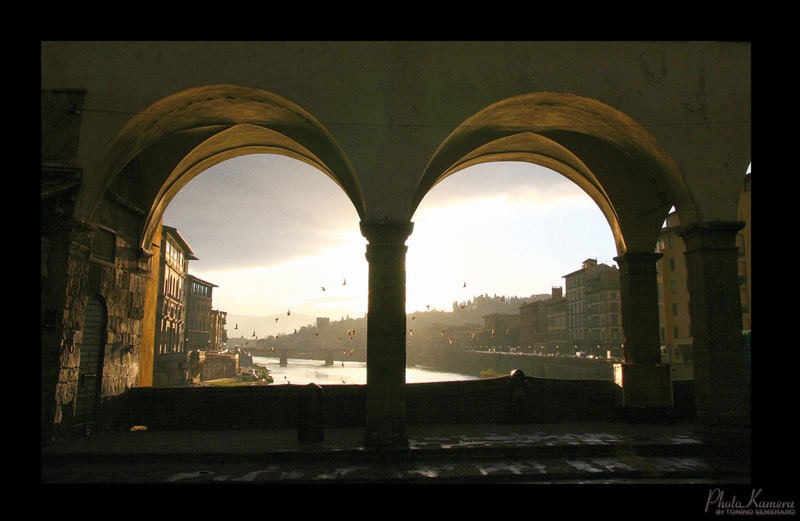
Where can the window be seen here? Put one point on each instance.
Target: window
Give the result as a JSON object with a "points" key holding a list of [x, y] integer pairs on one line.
{"points": [[674, 309]]}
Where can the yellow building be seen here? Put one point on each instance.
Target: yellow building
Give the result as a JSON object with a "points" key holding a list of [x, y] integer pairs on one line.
{"points": [[217, 334], [169, 349], [673, 293], [673, 301], [199, 295]]}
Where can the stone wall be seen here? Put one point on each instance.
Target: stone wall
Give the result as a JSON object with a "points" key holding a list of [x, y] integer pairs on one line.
{"points": [[92, 258], [566, 368], [496, 400], [214, 366], [121, 289], [171, 369]]}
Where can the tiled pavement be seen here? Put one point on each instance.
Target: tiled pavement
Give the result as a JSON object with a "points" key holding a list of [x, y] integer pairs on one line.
{"points": [[552, 453]]}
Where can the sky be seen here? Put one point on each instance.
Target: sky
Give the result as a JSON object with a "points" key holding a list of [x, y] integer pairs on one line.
{"points": [[271, 231]]}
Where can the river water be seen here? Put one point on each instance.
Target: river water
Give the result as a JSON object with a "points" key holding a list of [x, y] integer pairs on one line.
{"points": [[302, 371]]}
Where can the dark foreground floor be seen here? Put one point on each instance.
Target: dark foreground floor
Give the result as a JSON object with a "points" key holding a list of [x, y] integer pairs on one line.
{"points": [[452, 454]]}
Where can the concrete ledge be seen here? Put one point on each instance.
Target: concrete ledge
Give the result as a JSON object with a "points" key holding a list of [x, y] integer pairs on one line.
{"points": [[644, 385]]}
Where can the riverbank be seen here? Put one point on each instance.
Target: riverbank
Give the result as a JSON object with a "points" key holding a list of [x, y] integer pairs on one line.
{"points": [[255, 375], [300, 371]]}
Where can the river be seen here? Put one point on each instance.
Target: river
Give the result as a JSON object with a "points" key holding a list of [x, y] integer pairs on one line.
{"points": [[302, 371]]}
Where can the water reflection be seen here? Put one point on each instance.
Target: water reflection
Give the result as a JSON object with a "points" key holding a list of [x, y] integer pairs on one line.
{"points": [[302, 371]]}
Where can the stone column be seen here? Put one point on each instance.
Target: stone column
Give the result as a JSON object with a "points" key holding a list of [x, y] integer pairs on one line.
{"points": [[386, 333], [722, 396], [646, 382]]}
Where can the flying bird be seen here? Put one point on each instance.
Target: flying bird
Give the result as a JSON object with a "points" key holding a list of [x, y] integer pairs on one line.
{"points": [[276, 319], [288, 312], [254, 333], [465, 283], [323, 288], [344, 282], [236, 326], [411, 332]]}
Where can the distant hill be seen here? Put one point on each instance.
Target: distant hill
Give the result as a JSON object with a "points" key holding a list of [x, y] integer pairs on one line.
{"points": [[468, 313], [472, 311], [264, 326]]}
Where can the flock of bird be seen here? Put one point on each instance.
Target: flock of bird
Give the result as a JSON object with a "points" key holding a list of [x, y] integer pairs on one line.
{"points": [[352, 332]]}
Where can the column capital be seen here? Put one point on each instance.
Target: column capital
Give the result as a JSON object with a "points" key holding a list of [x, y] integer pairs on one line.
{"points": [[713, 226], [386, 232], [709, 234], [639, 257]]}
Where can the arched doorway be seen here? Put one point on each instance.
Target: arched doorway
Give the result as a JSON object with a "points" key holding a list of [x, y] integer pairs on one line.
{"points": [[90, 372]]}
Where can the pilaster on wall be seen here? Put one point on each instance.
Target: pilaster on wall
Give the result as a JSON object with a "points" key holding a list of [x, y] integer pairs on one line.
{"points": [[386, 332], [149, 312], [722, 395], [61, 179]]}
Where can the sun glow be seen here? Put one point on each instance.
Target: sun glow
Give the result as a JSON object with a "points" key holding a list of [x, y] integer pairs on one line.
{"points": [[516, 242], [332, 283], [276, 235]]}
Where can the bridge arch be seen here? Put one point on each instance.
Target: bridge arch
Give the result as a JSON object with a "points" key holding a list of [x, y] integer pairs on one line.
{"points": [[605, 152], [178, 137]]}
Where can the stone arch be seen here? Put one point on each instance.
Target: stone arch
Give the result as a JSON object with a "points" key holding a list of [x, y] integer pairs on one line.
{"points": [[176, 138], [606, 153]]}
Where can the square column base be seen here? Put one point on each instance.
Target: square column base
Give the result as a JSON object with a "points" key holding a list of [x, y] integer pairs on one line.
{"points": [[644, 385], [385, 424]]}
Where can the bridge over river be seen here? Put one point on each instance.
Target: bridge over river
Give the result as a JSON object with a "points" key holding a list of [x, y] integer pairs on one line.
{"points": [[330, 356]]}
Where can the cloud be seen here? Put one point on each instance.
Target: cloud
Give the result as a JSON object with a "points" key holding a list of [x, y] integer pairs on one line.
{"points": [[259, 210], [517, 234], [297, 283], [512, 179], [270, 231]]}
